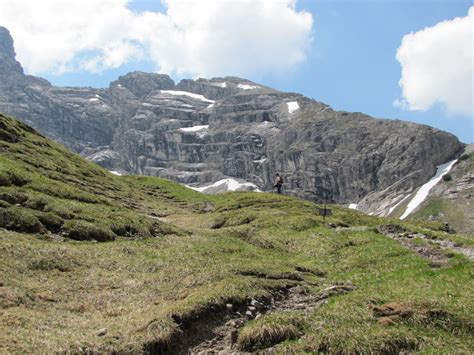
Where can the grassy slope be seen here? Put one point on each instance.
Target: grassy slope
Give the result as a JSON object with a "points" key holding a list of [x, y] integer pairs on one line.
{"points": [[169, 259]]}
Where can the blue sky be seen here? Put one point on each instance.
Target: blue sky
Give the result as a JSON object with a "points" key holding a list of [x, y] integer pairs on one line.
{"points": [[350, 63]]}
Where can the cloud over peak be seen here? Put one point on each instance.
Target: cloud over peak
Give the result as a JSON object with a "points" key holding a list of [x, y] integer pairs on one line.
{"points": [[438, 67], [198, 38]]}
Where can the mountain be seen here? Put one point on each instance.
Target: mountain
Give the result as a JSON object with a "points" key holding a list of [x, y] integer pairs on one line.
{"points": [[97, 263], [451, 199], [200, 132]]}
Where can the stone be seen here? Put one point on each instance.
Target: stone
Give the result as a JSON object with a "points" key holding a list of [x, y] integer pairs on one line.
{"points": [[208, 207], [101, 332], [258, 305], [233, 335]]}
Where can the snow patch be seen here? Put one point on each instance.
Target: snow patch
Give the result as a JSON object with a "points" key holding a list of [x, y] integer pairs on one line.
{"points": [[261, 161], [397, 204], [292, 106], [115, 172], [189, 94], [247, 87], [201, 134], [353, 206], [423, 192], [224, 84], [194, 128], [226, 185], [93, 99]]}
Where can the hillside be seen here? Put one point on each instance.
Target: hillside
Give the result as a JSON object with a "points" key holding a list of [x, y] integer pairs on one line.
{"points": [[451, 199], [178, 271], [200, 132]]}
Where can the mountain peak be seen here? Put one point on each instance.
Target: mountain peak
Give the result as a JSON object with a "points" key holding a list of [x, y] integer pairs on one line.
{"points": [[8, 63], [6, 43], [141, 84]]}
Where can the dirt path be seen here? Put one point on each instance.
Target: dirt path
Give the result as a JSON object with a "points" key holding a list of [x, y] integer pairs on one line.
{"points": [[297, 298], [433, 250]]}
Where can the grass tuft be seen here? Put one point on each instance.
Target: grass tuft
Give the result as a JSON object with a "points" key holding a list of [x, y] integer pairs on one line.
{"points": [[20, 220], [80, 230], [270, 330]]}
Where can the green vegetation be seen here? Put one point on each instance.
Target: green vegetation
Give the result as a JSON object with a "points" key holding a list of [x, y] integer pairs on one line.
{"points": [[447, 177], [82, 250], [271, 329]]}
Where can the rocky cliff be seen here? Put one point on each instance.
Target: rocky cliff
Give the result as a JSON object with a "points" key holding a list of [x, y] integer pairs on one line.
{"points": [[201, 131], [450, 200]]}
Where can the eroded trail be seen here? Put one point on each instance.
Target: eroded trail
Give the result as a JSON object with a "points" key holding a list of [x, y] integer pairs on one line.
{"points": [[224, 338], [434, 249]]}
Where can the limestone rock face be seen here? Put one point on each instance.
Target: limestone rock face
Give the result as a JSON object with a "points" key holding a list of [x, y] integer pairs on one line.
{"points": [[451, 199], [201, 131]]}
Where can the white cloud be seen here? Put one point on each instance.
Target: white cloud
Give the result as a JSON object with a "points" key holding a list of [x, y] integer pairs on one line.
{"points": [[198, 38], [438, 67]]}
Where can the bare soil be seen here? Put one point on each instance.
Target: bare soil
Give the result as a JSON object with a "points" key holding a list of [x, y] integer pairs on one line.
{"points": [[296, 298]]}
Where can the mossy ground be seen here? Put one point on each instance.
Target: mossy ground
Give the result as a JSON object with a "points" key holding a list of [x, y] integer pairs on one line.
{"points": [[170, 260]]}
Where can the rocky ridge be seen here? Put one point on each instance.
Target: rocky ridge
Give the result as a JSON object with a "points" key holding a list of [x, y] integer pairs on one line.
{"points": [[201, 131]]}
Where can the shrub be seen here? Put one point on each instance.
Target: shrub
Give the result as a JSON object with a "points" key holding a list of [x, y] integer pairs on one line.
{"points": [[80, 230], [447, 177]]}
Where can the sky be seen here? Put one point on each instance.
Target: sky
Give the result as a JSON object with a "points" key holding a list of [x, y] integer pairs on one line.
{"points": [[400, 59]]}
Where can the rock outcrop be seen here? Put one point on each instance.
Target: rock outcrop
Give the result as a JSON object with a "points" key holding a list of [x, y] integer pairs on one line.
{"points": [[201, 131], [450, 200]]}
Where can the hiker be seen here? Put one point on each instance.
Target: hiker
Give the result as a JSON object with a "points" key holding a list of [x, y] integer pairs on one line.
{"points": [[278, 182]]}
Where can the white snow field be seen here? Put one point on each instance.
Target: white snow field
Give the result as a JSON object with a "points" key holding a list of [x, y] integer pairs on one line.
{"points": [[423, 192], [225, 185], [194, 128], [353, 206], [247, 87], [189, 94], [397, 204], [292, 106], [200, 131]]}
